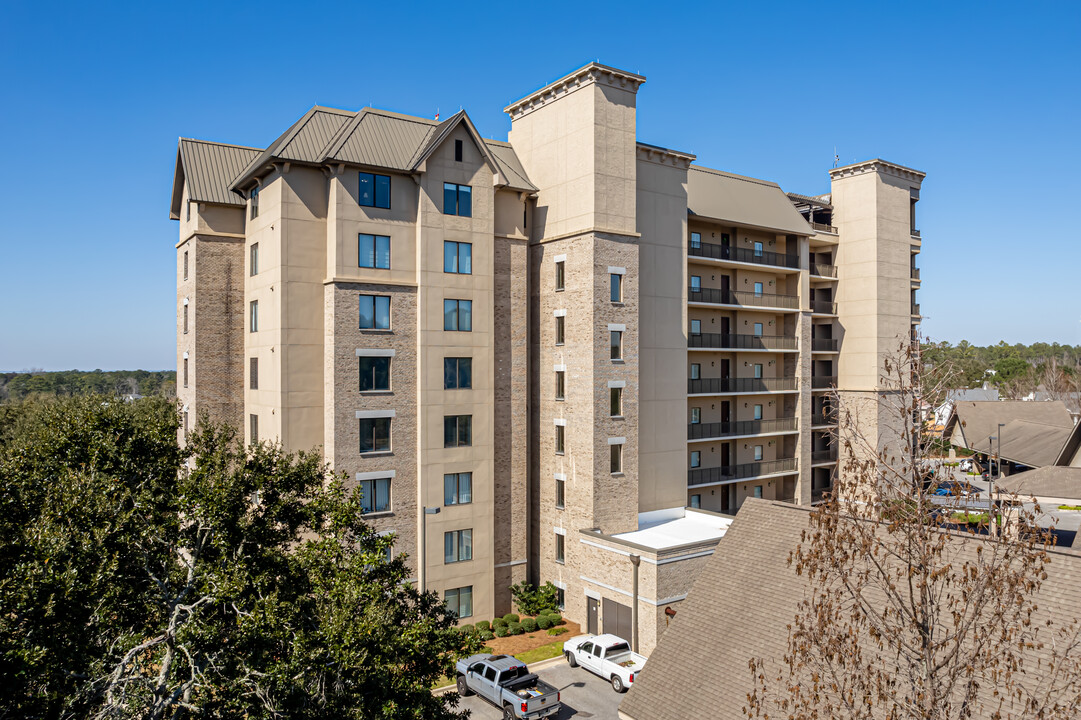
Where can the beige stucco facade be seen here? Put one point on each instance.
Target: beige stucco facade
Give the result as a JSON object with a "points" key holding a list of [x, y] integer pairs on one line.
{"points": [[736, 320]]}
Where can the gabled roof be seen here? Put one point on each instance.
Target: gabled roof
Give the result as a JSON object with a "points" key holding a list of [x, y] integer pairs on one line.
{"points": [[1048, 482], [1034, 444], [379, 138], [1069, 448], [209, 169], [978, 420], [303, 142], [511, 166], [742, 201], [740, 608]]}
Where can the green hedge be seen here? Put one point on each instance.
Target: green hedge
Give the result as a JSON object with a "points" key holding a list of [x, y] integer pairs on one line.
{"points": [[466, 629], [484, 625], [514, 628], [544, 622], [529, 625], [558, 631], [511, 617], [499, 622], [485, 635], [500, 631]]}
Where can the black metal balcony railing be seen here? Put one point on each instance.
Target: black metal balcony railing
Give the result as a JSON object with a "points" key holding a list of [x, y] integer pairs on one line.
{"points": [[915, 273], [819, 419], [727, 252], [821, 382], [824, 306], [748, 299], [733, 385], [824, 227], [741, 342], [699, 431], [915, 308], [818, 456], [824, 270], [915, 233], [824, 344], [703, 476]]}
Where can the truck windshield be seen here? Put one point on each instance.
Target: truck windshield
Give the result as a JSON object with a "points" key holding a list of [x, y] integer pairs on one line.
{"points": [[617, 648]]}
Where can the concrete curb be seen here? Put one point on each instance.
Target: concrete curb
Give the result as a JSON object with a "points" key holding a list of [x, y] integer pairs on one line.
{"points": [[543, 664]]}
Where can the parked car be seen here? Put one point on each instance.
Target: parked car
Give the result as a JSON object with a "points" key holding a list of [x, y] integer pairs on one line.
{"points": [[605, 655], [507, 683], [953, 488]]}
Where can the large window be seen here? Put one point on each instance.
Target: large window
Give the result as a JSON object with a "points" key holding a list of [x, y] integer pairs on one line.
{"points": [[457, 546], [561, 548], [253, 315], [374, 374], [561, 384], [696, 327], [374, 190], [561, 439], [616, 457], [375, 495], [617, 344], [616, 394], [457, 200], [460, 601], [374, 312], [696, 240], [617, 287], [758, 453], [696, 415], [253, 373], [457, 257], [696, 371], [757, 412], [696, 458], [374, 435], [561, 327], [458, 488], [457, 431], [457, 373], [253, 259], [458, 315], [373, 251]]}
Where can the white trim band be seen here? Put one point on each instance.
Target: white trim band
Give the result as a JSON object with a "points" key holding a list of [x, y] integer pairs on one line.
{"points": [[512, 563], [559, 258], [368, 414], [612, 270], [617, 441], [560, 531], [562, 312], [374, 352], [562, 477], [614, 327], [617, 383], [559, 368], [375, 475], [560, 421]]}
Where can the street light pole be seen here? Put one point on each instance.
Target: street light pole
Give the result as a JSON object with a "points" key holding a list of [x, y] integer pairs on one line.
{"points": [[991, 519], [422, 565], [635, 560]]}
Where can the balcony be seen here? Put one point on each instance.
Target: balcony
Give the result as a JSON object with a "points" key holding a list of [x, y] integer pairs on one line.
{"points": [[825, 345], [723, 386], [823, 307], [915, 233], [718, 341], [822, 227], [704, 431], [728, 473], [824, 420], [741, 299], [824, 270], [824, 456], [743, 255], [823, 382], [916, 309], [915, 273]]}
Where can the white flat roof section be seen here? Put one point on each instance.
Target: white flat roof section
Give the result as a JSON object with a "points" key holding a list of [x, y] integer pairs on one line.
{"points": [[663, 529]]}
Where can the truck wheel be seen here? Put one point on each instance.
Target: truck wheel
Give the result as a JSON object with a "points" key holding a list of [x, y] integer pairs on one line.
{"points": [[463, 687], [570, 659], [617, 684], [508, 713]]}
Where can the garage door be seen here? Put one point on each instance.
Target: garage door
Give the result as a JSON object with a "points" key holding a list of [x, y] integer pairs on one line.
{"points": [[616, 618]]}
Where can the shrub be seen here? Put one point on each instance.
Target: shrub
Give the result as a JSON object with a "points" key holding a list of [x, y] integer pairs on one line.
{"points": [[544, 622], [499, 622], [556, 619], [511, 617], [532, 600], [485, 635], [514, 628], [529, 625], [466, 629], [500, 631], [558, 631], [484, 625]]}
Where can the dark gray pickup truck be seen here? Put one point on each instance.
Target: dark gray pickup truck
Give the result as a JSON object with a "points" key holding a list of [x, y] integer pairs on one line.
{"points": [[507, 684]]}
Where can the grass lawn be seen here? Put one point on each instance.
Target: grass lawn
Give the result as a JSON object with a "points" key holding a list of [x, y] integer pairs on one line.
{"points": [[544, 652], [1069, 507], [972, 518]]}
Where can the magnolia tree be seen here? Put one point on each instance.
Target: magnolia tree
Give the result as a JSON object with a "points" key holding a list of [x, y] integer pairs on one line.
{"points": [[916, 607]]}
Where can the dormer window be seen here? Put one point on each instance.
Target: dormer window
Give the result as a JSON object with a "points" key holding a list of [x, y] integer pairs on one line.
{"points": [[374, 190], [457, 150]]}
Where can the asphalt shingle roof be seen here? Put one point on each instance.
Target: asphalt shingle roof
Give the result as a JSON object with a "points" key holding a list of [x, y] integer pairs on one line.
{"points": [[979, 420], [1052, 481]]}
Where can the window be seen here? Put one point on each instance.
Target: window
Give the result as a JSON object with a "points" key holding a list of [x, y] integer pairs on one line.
{"points": [[374, 374], [696, 283], [375, 495], [185, 372], [561, 276], [561, 598], [374, 312], [254, 202], [696, 371], [457, 151], [253, 428], [460, 602], [457, 200], [758, 370], [758, 288], [457, 431], [374, 190], [457, 546], [187, 211], [186, 422], [186, 320], [458, 488], [253, 308], [696, 240], [185, 264], [561, 385], [561, 548], [457, 373], [615, 453], [457, 257], [617, 287], [373, 251], [758, 491], [374, 435], [253, 373], [696, 501], [696, 327], [561, 435], [560, 329], [617, 344], [696, 415], [617, 401], [757, 249], [758, 329], [757, 453], [253, 259], [696, 458], [561, 493], [757, 412], [458, 315]]}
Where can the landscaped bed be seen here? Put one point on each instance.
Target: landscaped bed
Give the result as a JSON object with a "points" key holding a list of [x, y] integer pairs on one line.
{"points": [[517, 644]]}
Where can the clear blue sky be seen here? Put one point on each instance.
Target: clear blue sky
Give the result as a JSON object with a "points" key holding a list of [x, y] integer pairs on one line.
{"points": [[984, 97]]}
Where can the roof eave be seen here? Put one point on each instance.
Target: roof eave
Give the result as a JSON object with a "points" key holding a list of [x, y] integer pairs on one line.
{"points": [[806, 232]]}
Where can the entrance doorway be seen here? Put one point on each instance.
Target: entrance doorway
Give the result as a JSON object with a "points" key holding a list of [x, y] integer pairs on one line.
{"points": [[591, 615]]}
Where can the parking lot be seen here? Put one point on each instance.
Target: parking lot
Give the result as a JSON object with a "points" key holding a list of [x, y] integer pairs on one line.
{"points": [[583, 694]]}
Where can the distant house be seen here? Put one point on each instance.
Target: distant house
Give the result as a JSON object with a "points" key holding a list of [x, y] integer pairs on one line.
{"points": [[944, 412], [1056, 482], [1032, 433]]}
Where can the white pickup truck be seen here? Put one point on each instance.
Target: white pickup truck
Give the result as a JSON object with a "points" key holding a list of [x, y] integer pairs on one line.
{"points": [[605, 655]]}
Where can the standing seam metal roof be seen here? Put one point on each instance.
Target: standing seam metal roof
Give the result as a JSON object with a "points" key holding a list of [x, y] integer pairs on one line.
{"points": [[208, 168], [742, 201]]}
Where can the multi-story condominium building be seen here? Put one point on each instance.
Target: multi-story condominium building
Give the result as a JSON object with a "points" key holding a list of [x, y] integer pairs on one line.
{"points": [[567, 357]]}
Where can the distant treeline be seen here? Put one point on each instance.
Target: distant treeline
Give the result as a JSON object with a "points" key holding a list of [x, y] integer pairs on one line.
{"points": [[16, 386], [1014, 369]]}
